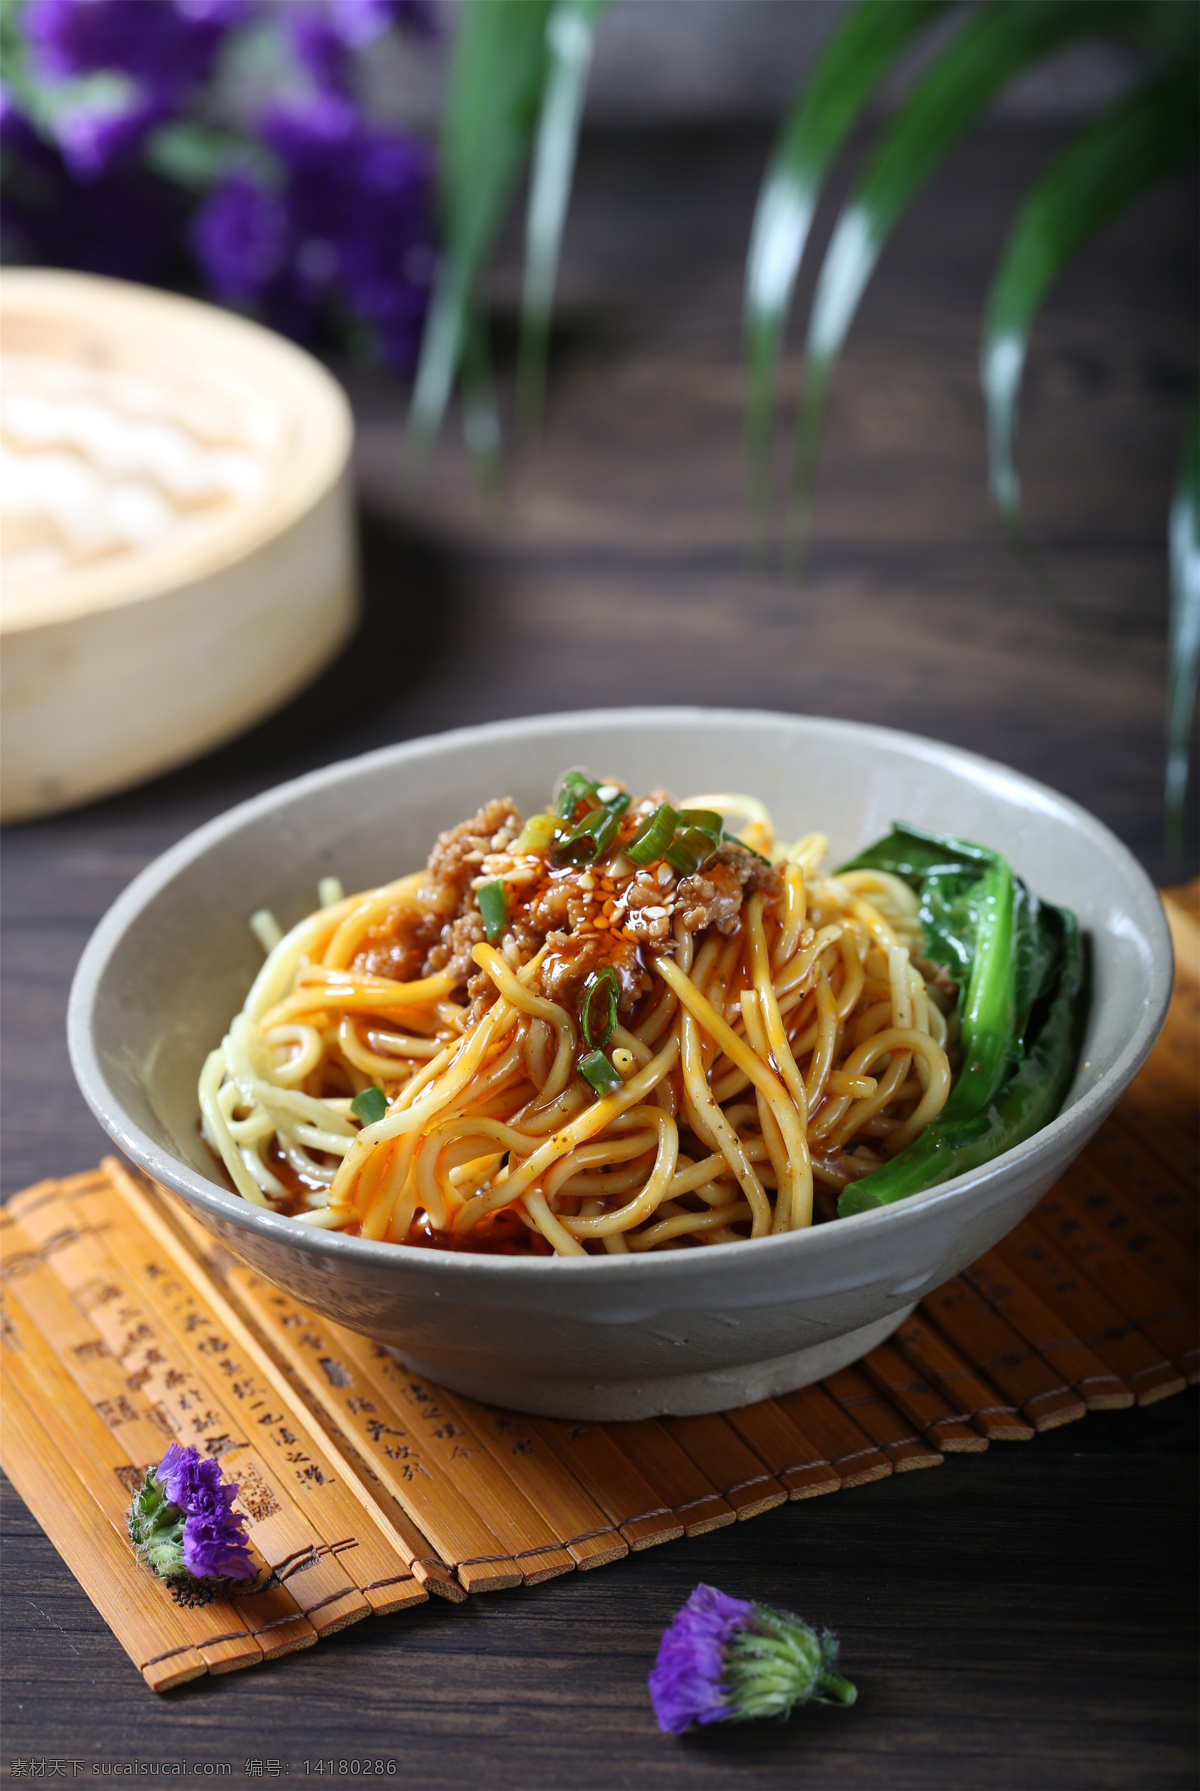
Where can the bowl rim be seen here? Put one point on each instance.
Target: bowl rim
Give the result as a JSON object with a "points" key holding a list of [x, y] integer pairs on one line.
{"points": [[610, 1272]]}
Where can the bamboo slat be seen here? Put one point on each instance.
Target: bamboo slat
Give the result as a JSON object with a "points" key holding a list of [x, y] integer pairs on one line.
{"points": [[126, 1326], [948, 1429], [152, 1354], [729, 1462], [881, 1421], [660, 1461], [1083, 1310], [149, 1631], [1080, 1367], [785, 1450], [984, 1338], [1114, 1150], [941, 1364], [850, 1452], [640, 1513], [563, 1501]]}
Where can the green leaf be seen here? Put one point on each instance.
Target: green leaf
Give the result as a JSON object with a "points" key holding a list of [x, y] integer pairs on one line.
{"points": [[1184, 635], [857, 55], [1098, 175], [570, 38], [995, 44], [492, 97]]}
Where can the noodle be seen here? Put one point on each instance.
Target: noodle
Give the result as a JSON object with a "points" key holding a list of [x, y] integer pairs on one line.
{"points": [[423, 1063]]}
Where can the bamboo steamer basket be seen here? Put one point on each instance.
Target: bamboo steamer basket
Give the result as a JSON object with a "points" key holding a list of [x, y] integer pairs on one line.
{"points": [[177, 548]]}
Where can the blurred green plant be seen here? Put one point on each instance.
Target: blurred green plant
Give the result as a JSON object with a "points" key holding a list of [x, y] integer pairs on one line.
{"points": [[517, 86]]}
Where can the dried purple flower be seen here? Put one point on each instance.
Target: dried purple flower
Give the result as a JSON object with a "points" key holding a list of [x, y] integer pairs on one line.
{"points": [[725, 1660], [182, 1521]]}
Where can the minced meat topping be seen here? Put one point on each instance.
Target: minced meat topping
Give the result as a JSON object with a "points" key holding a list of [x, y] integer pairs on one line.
{"points": [[610, 912]]}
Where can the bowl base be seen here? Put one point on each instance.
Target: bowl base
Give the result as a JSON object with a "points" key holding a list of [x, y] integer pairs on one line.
{"points": [[671, 1395]]}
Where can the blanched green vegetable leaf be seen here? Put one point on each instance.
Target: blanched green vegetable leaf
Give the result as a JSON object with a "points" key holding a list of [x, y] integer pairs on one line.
{"points": [[1019, 965]]}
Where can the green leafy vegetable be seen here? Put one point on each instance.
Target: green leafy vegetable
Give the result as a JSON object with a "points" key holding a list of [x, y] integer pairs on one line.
{"points": [[599, 1073], [1020, 966], [604, 982], [370, 1105], [652, 836]]}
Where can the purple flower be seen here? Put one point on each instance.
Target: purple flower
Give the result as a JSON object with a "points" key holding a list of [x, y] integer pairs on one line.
{"points": [[182, 1520], [326, 33], [723, 1660], [96, 134], [687, 1683], [165, 45], [239, 238]]}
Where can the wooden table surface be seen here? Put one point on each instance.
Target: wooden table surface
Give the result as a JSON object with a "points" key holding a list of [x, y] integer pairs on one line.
{"points": [[1024, 1619]]}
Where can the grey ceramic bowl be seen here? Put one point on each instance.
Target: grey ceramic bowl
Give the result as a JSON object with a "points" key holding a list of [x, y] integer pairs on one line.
{"points": [[612, 1336]]}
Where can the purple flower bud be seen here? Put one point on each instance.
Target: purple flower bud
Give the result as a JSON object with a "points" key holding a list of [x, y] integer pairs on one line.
{"points": [[723, 1660]]}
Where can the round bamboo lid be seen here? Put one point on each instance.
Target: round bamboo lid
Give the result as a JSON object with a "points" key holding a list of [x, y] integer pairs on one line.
{"points": [[176, 545]]}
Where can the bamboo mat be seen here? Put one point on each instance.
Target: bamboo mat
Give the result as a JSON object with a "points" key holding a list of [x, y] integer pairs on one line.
{"points": [[367, 1489]]}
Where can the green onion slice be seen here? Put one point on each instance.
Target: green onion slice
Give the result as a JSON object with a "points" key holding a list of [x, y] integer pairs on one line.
{"points": [[599, 1072], [573, 787], [652, 836], [706, 819], [690, 851], [605, 980], [536, 834], [494, 908], [370, 1104], [590, 838], [733, 840]]}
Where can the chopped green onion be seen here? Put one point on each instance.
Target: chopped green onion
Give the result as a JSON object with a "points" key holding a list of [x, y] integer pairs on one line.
{"points": [[605, 979], [733, 840], [370, 1104], [494, 909], [573, 787], [706, 819], [600, 1073], [690, 850], [652, 836], [536, 834], [590, 838]]}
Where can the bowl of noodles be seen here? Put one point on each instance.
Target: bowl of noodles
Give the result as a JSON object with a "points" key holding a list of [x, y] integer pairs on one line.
{"points": [[627, 1062]]}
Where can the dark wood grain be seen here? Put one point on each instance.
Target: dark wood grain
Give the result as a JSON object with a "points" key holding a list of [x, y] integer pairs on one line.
{"points": [[1022, 1619]]}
